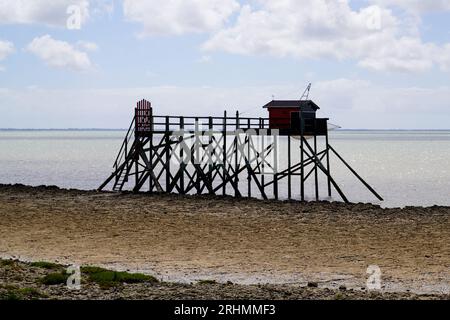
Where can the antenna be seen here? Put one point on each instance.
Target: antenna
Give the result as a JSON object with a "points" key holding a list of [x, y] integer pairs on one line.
{"points": [[305, 95]]}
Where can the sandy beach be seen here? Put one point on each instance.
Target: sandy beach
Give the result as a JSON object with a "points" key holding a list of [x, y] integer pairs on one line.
{"points": [[185, 239]]}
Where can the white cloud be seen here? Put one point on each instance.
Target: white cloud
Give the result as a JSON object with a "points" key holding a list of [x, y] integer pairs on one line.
{"points": [[59, 54], [417, 6], [373, 36], [47, 12], [50, 12], [176, 17], [6, 48]]}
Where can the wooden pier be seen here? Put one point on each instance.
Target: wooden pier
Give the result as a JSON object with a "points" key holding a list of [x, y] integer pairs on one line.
{"points": [[228, 155]]}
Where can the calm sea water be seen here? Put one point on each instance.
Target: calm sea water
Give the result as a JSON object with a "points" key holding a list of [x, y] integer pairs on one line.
{"points": [[405, 167]]}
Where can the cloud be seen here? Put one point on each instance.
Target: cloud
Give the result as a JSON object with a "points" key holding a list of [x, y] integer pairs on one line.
{"points": [[349, 103], [416, 6], [51, 12], [372, 36], [177, 17], [47, 12], [59, 54], [6, 48]]}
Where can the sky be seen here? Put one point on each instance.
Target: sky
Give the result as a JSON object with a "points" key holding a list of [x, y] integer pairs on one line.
{"points": [[373, 64]]}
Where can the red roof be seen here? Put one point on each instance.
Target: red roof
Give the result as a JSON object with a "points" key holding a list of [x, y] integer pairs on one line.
{"points": [[302, 104]]}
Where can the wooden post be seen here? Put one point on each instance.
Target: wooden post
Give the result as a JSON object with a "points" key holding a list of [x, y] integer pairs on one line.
{"points": [[126, 153], [167, 149], [328, 162], [249, 177], [275, 174], [236, 151], [182, 164], [136, 146], [150, 152], [224, 154], [316, 178], [210, 154], [263, 159], [196, 149], [302, 167], [289, 168]]}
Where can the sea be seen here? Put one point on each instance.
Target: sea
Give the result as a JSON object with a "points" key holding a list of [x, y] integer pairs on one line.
{"points": [[407, 168]]}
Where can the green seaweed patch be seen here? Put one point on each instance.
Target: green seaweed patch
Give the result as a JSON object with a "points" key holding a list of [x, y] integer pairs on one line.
{"points": [[339, 296], [107, 278], [45, 265], [56, 278], [92, 270], [7, 262], [15, 293]]}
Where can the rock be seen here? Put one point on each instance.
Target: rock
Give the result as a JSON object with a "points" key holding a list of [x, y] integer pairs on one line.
{"points": [[313, 284], [342, 288]]}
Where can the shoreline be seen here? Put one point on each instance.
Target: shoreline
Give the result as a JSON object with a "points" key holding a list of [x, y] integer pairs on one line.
{"points": [[183, 239], [25, 187]]}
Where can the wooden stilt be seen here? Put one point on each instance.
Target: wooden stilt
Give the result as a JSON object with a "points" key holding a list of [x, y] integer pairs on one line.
{"points": [[182, 164], [249, 177], [236, 152], [289, 169], [328, 163], [316, 178], [302, 176]]}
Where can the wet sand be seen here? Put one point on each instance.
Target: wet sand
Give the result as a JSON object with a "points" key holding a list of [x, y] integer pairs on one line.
{"points": [[188, 238]]}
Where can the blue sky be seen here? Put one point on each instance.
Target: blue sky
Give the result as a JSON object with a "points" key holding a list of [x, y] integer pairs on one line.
{"points": [[373, 64]]}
